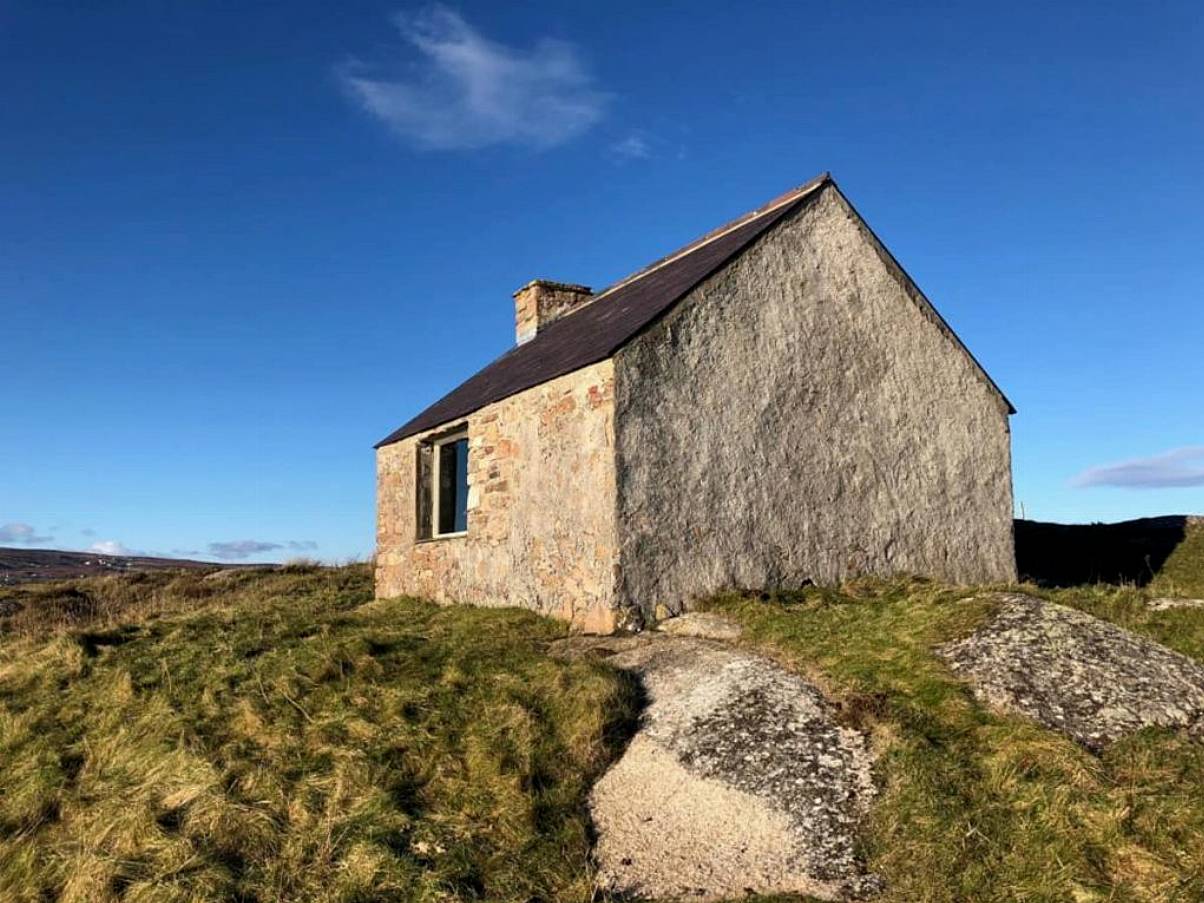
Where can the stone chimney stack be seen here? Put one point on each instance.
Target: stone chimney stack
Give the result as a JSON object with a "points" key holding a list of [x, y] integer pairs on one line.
{"points": [[540, 301]]}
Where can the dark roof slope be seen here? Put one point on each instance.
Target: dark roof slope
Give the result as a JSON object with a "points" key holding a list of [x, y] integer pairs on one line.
{"points": [[605, 324], [617, 315]]}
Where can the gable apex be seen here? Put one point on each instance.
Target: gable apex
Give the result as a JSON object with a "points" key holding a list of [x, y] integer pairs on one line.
{"points": [[919, 298]]}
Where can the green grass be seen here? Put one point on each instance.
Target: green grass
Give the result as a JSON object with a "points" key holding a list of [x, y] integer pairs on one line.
{"points": [[980, 806], [1182, 574], [283, 737], [280, 736]]}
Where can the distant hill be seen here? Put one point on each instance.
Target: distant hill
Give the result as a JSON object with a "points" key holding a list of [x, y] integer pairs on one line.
{"points": [[1164, 553], [26, 565]]}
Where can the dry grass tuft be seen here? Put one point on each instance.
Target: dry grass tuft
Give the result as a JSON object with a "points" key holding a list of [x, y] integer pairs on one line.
{"points": [[281, 736], [34, 609]]}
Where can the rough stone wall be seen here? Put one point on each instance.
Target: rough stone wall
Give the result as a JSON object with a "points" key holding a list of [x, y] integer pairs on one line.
{"points": [[541, 507], [799, 417]]}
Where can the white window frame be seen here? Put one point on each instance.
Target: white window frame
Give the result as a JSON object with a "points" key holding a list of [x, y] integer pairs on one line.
{"points": [[436, 464]]}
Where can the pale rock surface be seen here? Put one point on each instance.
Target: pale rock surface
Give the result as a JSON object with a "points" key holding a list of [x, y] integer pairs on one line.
{"points": [[701, 624], [1091, 680], [738, 781], [1166, 603]]}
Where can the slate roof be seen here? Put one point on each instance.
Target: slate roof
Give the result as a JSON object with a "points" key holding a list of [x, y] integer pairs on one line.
{"points": [[614, 317]]}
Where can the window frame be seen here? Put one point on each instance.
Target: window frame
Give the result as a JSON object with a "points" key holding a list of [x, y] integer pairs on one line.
{"points": [[436, 444]]}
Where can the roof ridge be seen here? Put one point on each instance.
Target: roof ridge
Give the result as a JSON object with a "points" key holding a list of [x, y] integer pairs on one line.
{"points": [[769, 206]]}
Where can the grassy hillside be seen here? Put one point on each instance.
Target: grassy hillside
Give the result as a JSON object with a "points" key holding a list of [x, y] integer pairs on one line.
{"points": [[280, 736], [27, 565], [981, 806], [1182, 573]]}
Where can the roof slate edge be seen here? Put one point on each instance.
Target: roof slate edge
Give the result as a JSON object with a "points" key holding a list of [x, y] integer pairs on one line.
{"points": [[780, 212], [404, 431]]}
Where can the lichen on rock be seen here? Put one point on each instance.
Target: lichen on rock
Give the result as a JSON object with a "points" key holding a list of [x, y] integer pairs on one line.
{"points": [[1091, 680], [739, 780]]}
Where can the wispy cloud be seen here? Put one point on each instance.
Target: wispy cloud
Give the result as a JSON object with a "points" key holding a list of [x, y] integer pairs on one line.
{"points": [[21, 535], [634, 147], [1179, 467], [238, 549], [110, 547], [466, 91]]}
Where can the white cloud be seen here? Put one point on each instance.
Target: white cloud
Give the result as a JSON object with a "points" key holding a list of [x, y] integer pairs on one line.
{"points": [[238, 549], [633, 147], [110, 547], [241, 548], [1178, 468], [22, 535], [467, 91]]}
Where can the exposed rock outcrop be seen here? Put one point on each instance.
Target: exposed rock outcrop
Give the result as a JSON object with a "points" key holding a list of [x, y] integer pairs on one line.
{"points": [[1074, 673], [739, 780], [702, 624]]}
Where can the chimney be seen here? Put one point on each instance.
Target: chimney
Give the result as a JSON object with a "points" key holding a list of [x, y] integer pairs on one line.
{"points": [[540, 301]]}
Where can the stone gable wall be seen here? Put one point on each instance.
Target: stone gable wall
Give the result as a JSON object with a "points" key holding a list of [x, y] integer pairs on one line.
{"points": [[541, 507], [799, 417]]}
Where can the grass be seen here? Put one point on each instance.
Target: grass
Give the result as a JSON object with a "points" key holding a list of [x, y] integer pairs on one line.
{"points": [[1182, 574], [280, 736], [274, 736], [980, 806]]}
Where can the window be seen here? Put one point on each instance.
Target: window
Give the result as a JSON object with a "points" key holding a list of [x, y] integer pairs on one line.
{"points": [[443, 486]]}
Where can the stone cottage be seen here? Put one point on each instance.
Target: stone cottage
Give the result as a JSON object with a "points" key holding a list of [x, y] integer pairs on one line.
{"points": [[775, 403]]}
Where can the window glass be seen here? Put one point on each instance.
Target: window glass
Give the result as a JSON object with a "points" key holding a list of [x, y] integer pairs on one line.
{"points": [[453, 486]]}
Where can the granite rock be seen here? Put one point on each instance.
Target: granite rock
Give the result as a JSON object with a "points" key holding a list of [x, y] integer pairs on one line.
{"points": [[1088, 679], [739, 780]]}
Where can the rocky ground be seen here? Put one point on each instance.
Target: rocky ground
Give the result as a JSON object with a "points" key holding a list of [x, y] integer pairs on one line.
{"points": [[1074, 673], [741, 779], [739, 756]]}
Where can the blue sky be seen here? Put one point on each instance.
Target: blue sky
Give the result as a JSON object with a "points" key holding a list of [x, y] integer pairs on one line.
{"points": [[240, 242]]}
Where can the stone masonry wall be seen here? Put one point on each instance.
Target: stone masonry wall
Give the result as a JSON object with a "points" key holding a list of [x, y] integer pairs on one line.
{"points": [[541, 507], [799, 417]]}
